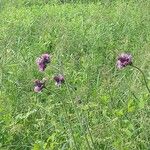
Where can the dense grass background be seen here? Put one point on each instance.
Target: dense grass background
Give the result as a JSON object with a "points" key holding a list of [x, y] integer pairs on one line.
{"points": [[98, 107]]}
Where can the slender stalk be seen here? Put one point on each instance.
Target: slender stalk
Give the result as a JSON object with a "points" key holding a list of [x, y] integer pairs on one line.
{"points": [[63, 104], [134, 95], [143, 77], [77, 114], [64, 108], [88, 128], [55, 68], [68, 91]]}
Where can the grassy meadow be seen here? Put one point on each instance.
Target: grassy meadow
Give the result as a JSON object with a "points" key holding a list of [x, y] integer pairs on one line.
{"points": [[99, 107]]}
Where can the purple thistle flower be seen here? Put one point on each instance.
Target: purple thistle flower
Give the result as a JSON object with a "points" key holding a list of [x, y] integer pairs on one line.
{"points": [[59, 79], [123, 60], [39, 85], [43, 61], [46, 58]]}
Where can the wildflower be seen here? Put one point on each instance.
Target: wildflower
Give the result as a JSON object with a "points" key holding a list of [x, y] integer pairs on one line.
{"points": [[59, 79], [124, 60], [43, 61], [39, 85]]}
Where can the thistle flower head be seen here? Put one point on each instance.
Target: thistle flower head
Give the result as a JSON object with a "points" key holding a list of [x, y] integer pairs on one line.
{"points": [[124, 60], [38, 85], [46, 58], [59, 79], [43, 61]]}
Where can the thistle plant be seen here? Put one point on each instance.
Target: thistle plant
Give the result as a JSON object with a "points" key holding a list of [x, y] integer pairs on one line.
{"points": [[124, 60], [59, 79], [42, 63]]}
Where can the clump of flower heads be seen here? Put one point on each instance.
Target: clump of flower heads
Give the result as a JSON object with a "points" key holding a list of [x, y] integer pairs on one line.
{"points": [[39, 85], [42, 61], [59, 79], [124, 60]]}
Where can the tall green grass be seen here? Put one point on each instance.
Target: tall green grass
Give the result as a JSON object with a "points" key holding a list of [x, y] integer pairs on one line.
{"points": [[98, 107]]}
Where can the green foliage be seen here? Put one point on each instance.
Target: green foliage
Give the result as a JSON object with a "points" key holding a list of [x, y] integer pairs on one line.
{"points": [[98, 107]]}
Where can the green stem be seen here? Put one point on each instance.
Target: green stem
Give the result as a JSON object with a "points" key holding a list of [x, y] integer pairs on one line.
{"points": [[88, 128], [77, 114], [143, 77], [69, 122]]}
